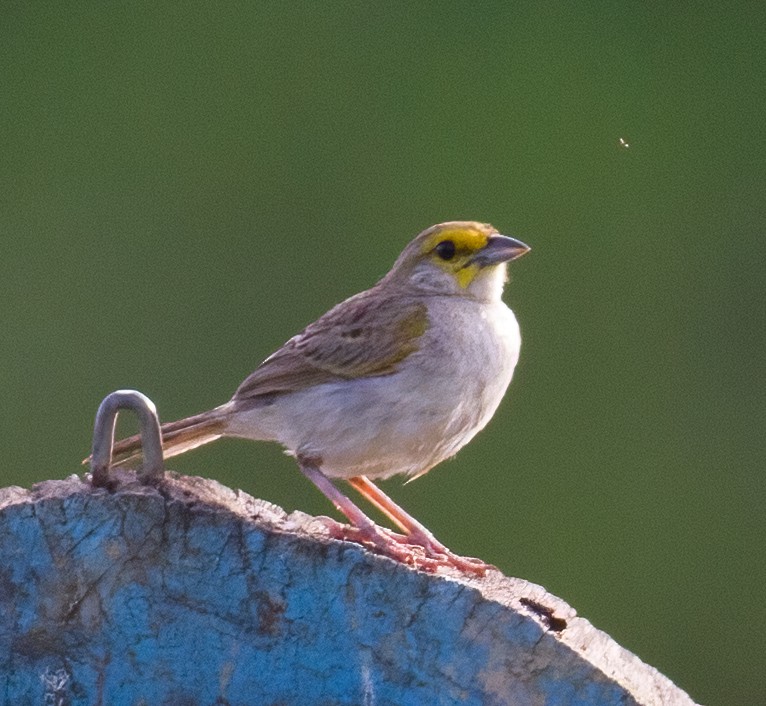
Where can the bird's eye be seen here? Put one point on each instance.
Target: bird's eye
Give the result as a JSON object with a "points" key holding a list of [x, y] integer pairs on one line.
{"points": [[446, 250]]}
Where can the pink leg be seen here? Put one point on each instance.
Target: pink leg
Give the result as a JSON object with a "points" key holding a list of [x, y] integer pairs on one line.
{"points": [[417, 533], [366, 531]]}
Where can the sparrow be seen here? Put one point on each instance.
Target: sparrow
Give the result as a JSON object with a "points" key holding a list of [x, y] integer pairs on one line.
{"points": [[391, 381]]}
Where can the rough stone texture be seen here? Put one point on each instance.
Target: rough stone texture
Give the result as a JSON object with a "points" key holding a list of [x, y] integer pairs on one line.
{"points": [[194, 594]]}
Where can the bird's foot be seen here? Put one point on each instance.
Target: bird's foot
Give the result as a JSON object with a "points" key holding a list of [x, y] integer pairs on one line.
{"points": [[384, 542], [435, 550], [418, 550]]}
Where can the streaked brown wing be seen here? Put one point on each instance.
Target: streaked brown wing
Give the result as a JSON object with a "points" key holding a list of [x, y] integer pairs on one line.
{"points": [[362, 336]]}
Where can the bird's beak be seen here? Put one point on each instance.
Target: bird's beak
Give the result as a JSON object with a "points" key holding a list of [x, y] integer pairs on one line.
{"points": [[500, 248]]}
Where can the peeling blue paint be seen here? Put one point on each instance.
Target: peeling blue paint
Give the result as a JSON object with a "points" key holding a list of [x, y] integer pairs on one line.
{"points": [[129, 599]]}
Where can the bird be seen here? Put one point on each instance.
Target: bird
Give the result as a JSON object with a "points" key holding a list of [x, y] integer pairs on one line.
{"points": [[391, 381]]}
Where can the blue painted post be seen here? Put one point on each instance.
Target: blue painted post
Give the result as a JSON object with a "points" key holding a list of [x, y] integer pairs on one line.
{"points": [[190, 593]]}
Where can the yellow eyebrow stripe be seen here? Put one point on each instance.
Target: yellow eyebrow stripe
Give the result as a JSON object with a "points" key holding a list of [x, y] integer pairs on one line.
{"points": [[466, 239]]}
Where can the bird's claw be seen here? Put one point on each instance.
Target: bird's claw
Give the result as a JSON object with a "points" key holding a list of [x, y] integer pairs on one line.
{"points": [[420, 552]]}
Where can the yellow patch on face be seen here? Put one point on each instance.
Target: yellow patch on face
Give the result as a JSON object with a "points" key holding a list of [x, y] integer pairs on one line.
{"points": [[467, 239], [465, 275]]}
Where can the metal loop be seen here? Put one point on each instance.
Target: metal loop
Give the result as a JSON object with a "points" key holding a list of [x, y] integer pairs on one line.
{"points": [[103, 436]]}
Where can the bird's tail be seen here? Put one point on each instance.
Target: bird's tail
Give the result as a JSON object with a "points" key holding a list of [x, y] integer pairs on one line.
{"points": [[177, 437]]}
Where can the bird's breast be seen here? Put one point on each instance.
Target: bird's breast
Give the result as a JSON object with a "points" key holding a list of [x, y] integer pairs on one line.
{"points": [[477, 348]]}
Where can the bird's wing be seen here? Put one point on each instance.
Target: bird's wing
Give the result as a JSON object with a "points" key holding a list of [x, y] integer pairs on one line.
{"points": [[361, 337]]}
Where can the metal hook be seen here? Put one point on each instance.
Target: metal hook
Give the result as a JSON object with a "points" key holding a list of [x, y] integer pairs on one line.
{"points": [[103, 436]]}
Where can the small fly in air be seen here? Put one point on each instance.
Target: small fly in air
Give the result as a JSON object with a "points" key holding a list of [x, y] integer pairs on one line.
{"points": [[623, 143]]}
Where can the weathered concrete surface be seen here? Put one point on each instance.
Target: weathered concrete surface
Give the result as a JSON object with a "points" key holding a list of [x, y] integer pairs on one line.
{"points": [[194, 594]]}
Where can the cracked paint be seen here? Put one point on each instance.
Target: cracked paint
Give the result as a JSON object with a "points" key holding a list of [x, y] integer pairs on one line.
{"points": [[193, 594]]}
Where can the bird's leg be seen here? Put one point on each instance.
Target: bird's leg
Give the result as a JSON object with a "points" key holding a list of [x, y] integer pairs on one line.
{"points": [[407, 523], [417, 533], [390, 544]]}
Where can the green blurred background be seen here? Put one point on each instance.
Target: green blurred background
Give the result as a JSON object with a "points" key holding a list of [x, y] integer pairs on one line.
{"points": [[185, 187]]}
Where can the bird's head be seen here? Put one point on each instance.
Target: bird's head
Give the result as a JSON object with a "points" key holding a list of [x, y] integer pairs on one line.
{"points": [[458, 257]]}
